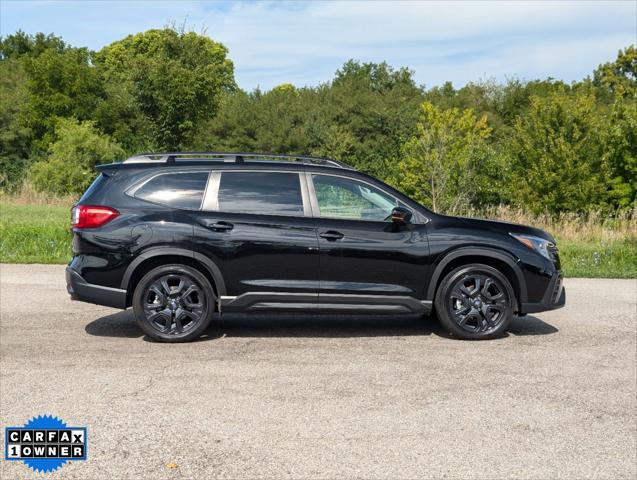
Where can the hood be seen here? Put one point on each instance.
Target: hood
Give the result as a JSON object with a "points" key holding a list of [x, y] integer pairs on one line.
{"points": [[505, 227]]}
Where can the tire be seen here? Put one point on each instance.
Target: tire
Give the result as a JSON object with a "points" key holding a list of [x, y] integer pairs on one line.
{"points": [[174, 303], [475, 302]]}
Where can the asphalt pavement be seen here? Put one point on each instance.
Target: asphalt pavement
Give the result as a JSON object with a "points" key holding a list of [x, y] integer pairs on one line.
{"points": [[318, 397]]}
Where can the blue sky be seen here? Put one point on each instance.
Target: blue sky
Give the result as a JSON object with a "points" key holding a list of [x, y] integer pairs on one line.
{"points": [[304, 43]]}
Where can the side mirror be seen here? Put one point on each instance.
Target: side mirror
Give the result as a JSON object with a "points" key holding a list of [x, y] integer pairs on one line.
{"points": [[401, 215]]}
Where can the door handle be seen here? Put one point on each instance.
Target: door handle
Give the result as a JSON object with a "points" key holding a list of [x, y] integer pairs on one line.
{"points": [[331, 235], [214, 225]]}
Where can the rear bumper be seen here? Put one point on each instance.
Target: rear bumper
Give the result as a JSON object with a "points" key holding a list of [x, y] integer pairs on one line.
{"points": [[554, 297], [82, 291]]}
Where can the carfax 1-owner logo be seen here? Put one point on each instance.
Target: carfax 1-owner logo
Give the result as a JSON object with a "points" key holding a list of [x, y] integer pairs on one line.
{"points": [[45, 443]]}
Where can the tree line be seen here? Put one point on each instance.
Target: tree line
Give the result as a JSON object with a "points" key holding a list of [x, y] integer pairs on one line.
{"points": [[539, 145]]}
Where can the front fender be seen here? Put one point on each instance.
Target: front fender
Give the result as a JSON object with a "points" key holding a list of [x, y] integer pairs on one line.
{"points": [[472, 252]]}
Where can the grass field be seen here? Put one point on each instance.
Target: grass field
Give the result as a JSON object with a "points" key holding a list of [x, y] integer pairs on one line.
{"points": [[34, 233], [591, 246]]}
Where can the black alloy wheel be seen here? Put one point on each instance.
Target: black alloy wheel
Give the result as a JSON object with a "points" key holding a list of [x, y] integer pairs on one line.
{"points": [[475, 302], [174, 303]]}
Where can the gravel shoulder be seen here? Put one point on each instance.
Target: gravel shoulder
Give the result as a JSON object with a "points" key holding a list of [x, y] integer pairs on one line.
{"points": [[326, 396]]}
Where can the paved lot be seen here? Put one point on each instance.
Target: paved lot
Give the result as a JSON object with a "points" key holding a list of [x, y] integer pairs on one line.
{"points": [[326, 397]]}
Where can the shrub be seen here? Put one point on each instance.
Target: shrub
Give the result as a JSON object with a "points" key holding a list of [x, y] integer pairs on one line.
{"points": [[69, 166]]}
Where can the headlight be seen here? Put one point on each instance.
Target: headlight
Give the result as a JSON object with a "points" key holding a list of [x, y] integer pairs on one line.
{"points": [[538, 244]]}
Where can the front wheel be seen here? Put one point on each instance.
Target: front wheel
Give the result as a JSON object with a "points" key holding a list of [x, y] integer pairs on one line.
{"points": [[475, 302], [174, 303]]}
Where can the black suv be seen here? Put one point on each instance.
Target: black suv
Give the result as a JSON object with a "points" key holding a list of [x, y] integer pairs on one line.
{"points": [[180, 236]]}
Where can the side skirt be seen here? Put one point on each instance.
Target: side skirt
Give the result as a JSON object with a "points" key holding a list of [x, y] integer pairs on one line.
{"points": [[258, 301]]}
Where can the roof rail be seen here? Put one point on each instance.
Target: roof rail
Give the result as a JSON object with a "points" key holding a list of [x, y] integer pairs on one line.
{"points": [[233, 157]]}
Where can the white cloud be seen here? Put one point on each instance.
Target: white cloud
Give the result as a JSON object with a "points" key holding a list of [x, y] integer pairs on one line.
{"points": [[304, 43]]}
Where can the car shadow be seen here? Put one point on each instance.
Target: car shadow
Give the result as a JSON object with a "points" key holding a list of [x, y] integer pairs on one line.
{"points": [[323, 325], [530, 325], [122, 324]]}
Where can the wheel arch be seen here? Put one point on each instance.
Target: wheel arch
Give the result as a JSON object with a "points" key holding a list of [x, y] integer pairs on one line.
{"points": [[498, 259], [162, 256]]}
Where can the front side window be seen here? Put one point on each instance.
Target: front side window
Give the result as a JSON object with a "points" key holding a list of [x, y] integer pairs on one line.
{"points": [[266, 193], [179, 190], [347, 198]]}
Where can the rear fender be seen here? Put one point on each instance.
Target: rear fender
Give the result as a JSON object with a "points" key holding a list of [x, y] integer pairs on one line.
{"points": [[169, 251]]}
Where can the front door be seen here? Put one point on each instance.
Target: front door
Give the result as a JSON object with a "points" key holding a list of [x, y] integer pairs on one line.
{"points": [[366, 261], [259, 232]]}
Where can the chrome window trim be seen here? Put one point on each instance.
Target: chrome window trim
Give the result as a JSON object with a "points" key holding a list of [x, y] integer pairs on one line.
{"points": [[131, 191], [317, 212], [305, 196], [211, 198], [211, 201]]}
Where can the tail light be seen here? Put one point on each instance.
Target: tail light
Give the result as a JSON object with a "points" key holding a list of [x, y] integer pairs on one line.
{"points": [[91, 216]]}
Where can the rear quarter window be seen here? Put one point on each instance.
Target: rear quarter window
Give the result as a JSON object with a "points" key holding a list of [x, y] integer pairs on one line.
{"points": [[101, 179], [179, 190]]}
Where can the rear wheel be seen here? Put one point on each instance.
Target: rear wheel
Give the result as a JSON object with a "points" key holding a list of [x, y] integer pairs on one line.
{"points": [[174, 303], [475, 302]]}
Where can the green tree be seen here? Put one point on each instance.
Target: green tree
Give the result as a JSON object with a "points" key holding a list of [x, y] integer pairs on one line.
{"points": [[15, 137], [61, 84], [362, 117], [617, 83], [69, 166], [502, 103], [557, 154], [42, 78], [174, 80], [275, 121], [234, 128], [21, 44], [620, 151], [378, 107], [334, 141], [442, 162], [60, 81], [279, 123], [620, 76]]}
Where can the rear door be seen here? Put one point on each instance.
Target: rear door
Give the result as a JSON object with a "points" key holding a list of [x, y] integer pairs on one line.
{"points": [[257, 227], [366, 261]]}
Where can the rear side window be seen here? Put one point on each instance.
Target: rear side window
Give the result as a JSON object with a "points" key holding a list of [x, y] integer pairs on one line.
{"points": [[266, 193], [179, 190]]}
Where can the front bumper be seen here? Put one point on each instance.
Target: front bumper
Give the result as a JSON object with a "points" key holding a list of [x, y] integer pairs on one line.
{"points": [[554, 297], [80, 290]]}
